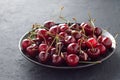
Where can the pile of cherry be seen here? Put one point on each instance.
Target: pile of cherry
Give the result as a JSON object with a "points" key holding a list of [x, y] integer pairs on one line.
{"points": [[66, 44]]}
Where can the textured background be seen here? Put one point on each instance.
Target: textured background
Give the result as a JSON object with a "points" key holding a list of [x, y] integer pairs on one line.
{"points": [[17, 16]]}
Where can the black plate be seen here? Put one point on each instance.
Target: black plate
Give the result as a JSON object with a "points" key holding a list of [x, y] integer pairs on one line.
{"points": [[102, 58]]}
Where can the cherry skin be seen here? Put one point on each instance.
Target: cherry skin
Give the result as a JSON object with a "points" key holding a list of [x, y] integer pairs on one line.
{"points": [[62, 35], [32, 50], [93, 53], [56, 59], [49, 24], [102, 48], [72, 48], [43, 57], [43, 47], [37, 41], [25, 43], [54, 30], [97, 31], [69, 39], [91, 42], [63, 27], [82, 44], [83, 56], [107, 42], [72, 60]]}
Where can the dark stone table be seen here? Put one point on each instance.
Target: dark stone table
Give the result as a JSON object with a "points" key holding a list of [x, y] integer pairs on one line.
{"points": [[17, 17]]}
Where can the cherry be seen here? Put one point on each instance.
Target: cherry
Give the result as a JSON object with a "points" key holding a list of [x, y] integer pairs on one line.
{"points": [[63, 27], [107, 42], [97, 31], [32, 50], [91, 42], [77, 35], [56, 59], [62, 35], [72, 60], [83, 56], [93, 53], [69, 39], [43, 57], [42, 33], [100, 38], [87, 28], [43, 47], [102, 48], [72, 48], [54, 30], [82, 43], [49, 24], [37, 41], [53, 50], [75, 26], [25, 43]]}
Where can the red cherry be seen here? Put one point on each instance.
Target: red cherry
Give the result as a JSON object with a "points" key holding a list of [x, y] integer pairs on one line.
{"points": [[72, 60], [107, 42], [56, 59], [43, 47], [49, 24], [43, 57], [69, 39], [25, 43], [82, 43], [42, 33], [100, 38], [87, 28], [63, 27], [32, 50], [77, 35], [54, 30], [102, 48], [97, 31], [62, 35], [91, 42], [72, 48], [83, 56], [93, 53], [76, 26]]}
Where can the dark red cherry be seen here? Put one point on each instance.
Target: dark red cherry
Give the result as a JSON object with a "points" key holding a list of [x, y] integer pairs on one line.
{"points": [[56, 59], [62, 35], [37, 41], [76, 26], [43, 57], [87, 28], [82, 43], [100, 38], [93, 53], [77, 35], [53, 50], [72, 48], [32, 50], [97, 31], [91, 42], [69, 39], [102, 48], [83, 56], [63, 27], [54, 30], [42, 33], [107, 42], [25, 43], [72, 60], [49, 24], [43, 47]]}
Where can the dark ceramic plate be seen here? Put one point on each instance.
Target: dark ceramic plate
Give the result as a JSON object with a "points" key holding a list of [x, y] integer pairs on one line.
{"points": [[102, 58]]}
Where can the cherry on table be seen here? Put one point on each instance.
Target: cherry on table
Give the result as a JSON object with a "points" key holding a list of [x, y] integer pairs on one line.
{"points": [[107, 42], [93, 53], [72, 48], [102, 48], [43, 47], [49, 24], [56, 59], [91, 42], [63, 27]]}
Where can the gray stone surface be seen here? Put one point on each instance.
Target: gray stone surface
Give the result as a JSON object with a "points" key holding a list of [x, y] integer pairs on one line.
{"points": [[17, 16]]}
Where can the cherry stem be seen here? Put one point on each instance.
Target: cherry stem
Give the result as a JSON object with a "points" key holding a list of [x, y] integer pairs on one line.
{"points": [[91, 62], [75, 20], [51, 44]]}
